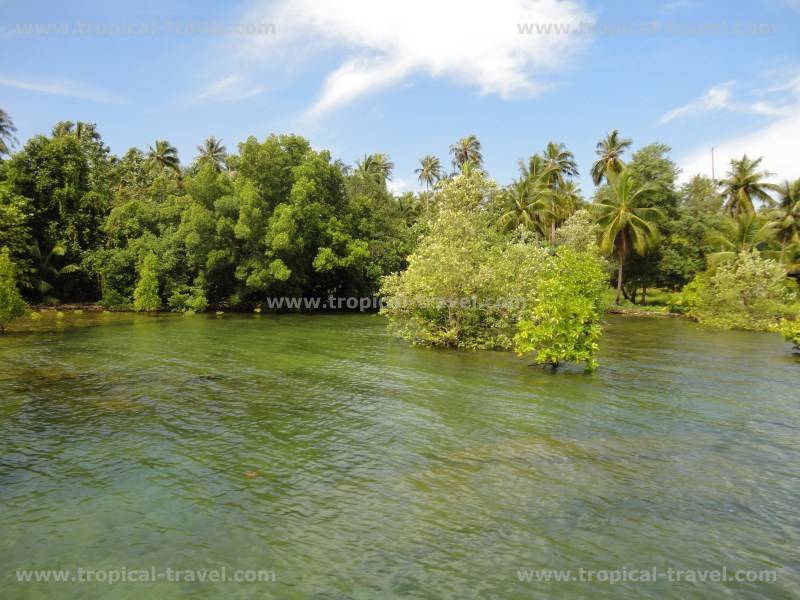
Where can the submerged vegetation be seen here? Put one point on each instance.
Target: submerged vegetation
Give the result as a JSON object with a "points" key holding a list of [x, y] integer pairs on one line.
{"points": [[524, 267]]}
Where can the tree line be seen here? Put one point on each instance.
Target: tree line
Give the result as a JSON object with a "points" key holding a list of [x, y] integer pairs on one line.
{"points": [[276, 218]]}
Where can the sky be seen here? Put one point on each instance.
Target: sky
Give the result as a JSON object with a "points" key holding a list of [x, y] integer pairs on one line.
{"points": [[408, 78]]}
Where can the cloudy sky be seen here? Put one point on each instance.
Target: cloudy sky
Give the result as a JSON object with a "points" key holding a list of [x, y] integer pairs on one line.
{"points": [[410, 77]]}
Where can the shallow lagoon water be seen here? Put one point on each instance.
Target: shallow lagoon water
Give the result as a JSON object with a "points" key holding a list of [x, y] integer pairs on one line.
{"points": [[351, 465]]}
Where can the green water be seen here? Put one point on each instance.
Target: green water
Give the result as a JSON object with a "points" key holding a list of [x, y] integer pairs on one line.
{"points": [[352, 466]]}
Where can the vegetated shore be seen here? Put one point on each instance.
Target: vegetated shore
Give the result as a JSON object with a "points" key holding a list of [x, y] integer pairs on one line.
{"points": [[93, 307]]}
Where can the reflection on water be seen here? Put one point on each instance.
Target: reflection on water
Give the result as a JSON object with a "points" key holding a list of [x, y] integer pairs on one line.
{"points": [[354, 466]]}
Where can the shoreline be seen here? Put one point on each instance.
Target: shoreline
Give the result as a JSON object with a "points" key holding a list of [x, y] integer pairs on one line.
{"points": [[93, 307]]}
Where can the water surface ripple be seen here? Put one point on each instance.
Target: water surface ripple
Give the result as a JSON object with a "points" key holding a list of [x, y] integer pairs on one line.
{"points": [[354, 466]]}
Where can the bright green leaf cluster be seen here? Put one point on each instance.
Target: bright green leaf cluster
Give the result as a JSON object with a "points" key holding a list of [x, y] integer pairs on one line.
{"points": [[12, 305]]}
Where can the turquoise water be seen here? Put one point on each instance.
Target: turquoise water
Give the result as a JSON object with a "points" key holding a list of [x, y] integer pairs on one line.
{"points": [[346, 464]]}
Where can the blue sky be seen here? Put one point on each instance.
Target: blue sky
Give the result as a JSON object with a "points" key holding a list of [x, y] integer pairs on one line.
{"points": [[409, 78]]}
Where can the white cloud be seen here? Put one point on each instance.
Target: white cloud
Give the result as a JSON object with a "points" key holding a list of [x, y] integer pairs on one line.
{"points": [[68, 89], [228, 89], [719, 97], [398, 185], [471, 42], [675, 5], [778, 142]]}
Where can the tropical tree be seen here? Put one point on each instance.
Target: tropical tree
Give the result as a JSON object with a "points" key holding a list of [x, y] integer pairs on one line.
{"points": [[746, 233], [625, 227], [744, 184], [145, 296], [377, 166], [408, 207], [610, 162], [787, 216], [560, 163], [164, 155], [429, 171], [7, 131], [466, 150], [46, 273], [11, 303], [558, 167], [82, 130], [212, 151], [526, 207], [570, 199]]}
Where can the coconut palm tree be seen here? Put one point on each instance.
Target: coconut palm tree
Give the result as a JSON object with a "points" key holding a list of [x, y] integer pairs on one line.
{"points": [[570, 199], [408, 207], [744, 184], [7, 131], [164, 155], [377, 166], [558, 166], [745, 233], [610, 162], [466, 150], [787, 217], [560, 163], [212, 151], [626, 228], [526, 207], [383, 165], [429, 171]]}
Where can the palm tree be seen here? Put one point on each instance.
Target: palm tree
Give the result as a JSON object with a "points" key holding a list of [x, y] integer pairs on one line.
{"points": [[560, 162], [383, 165], [744, 184], [376, 166], [430, 171], [213, 152], [526, 207], [626, 228], [466, 150], [745, 233], [569, 200], [164, 155], [47, 274], [787, 218], [408, 207], [558, 166], [609, 150], [7, 131]]}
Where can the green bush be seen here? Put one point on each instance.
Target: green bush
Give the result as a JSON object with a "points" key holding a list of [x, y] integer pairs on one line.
{"points": [[188, 299], [12, 305], [790, 330], [749, 292], [469, 286], [564, 322], [145, 296]]}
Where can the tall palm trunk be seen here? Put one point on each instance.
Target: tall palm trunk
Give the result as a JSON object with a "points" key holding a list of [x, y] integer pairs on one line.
{"points": [[622, 252]]}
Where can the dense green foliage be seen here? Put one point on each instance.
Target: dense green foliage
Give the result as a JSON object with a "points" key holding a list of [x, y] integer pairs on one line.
{"points": [[145, 296], [563, 323], [11, 303], [790, 331], [470, 285], [749, 292], [276, 218]]}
